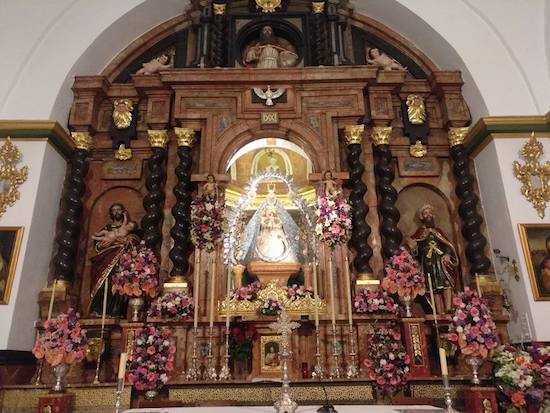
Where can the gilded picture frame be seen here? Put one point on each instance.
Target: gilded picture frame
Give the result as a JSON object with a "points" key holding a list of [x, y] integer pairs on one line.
{"points": [[270, 346], [535, 241], [10, 244]]}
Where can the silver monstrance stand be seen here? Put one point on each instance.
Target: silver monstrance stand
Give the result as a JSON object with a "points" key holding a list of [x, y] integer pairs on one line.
{"points": [[284, 327]]}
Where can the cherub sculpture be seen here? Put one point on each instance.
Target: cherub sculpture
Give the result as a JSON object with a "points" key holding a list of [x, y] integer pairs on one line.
{"points": [[210, 189], [330, 186], [155, 65], [381, 59]]}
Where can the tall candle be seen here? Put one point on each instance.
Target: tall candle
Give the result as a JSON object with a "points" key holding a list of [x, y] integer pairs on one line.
{"points": [[227, 298], [196, 289], [443, 362], [315, 294], [212, 292], [331, 286], [52, 298], [348, 288], [477, 285], [122, 365]]}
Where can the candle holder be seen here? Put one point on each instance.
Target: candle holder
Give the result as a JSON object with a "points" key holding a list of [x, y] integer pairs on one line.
{"points": [[335, 372], [225, 373], [119, 390], [447, 395], [193, 372], [352, 370], [210, 370], [318, 369], [38, 379]]}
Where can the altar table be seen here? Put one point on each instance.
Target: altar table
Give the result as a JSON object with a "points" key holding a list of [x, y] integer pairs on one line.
{"points": [[301, 409]]}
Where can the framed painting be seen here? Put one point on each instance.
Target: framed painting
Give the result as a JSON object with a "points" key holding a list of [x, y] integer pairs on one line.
{"points": [[270, 362], [10, 242], [535, 241]]}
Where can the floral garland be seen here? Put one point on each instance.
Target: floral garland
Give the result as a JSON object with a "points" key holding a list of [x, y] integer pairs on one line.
{"points": [[172, 305], [333, 219], [472, 327], [523, 377], [137, 272], [247, 292], [297, 292], [241, 337], [403, 276], [63, 340], [207, 221], [387, 361], [272, 306], [374, 301], [151, 360]]}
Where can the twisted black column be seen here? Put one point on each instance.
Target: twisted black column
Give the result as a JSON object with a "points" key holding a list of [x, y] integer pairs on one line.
{"points": [[68, 231], [180, 232], [321, 44], [387, 194], [154, 200], [361, 230], [218, 38], [471, 219]]}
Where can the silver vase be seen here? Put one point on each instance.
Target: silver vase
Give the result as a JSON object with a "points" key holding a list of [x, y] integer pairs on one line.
{"points": [[136, 303], [475, 363], [59, 372], [150, 394], [407, 301]]}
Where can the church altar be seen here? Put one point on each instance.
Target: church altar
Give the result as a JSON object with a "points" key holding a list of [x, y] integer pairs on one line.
{"points": [[301, 409]]}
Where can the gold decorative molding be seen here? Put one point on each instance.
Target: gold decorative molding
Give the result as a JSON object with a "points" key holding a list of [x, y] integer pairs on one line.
{"points": [[122, 113], [185, 136], [123, 153], [268, 6], [530, 172], [82, 140], [219, 8], [457, 136], [418, 150], [158, 138], [10, 177], [381, 135], [353, 134], [416, 109], [318, 7]]}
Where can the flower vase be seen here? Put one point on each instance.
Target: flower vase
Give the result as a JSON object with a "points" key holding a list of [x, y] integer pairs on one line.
{"points": [[151, 394], [407, 301], [136, 303], [475, 363], [60, 372]]}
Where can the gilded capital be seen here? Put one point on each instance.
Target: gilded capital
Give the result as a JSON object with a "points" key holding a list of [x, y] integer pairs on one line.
{"points": [[353, 134], [317, 7], [185, 136], [456, 136], [82, 140], [158, 138], [381, 135], [218, 8]]}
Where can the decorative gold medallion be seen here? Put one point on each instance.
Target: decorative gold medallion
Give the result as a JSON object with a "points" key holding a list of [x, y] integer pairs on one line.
{"points": [[418, 150], [218, 8], [457, 136], [381, 135], [270, 118], [122, 113], [10, 177], [185, 136], [158, 138], [317, 7], [416, 109], [123, 153], [82, 140], [532, 170], [268, 6], [353, 134]]}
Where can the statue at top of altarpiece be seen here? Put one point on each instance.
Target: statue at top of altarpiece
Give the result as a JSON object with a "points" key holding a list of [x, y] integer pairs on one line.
{"points": [[437, 256], [270, 52], [111, 242]]}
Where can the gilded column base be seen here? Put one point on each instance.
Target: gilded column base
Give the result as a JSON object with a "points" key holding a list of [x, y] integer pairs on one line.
{"points": [[366, 279], [176, 283]]}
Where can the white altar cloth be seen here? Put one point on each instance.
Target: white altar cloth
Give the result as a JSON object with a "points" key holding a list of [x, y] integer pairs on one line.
{"points": [[301, 409]]}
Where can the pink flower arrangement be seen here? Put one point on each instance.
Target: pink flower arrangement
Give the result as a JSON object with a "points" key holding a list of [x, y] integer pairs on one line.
{"points": [[374, 301], [247, 292], [207, 221], [63, 341], [472, 327], [333, 219], [403, 276], [137, 273], [151, 360], [272, 306], [387, 361], [172, 305], [297, 292]]}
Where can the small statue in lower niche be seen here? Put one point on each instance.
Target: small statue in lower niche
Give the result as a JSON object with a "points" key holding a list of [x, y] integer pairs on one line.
{"points": [[157, 64], [381, 59]]}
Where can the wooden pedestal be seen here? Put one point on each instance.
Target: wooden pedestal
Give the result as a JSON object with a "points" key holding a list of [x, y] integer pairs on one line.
{"points": [[415, 343], [481, 400], [62, 403]]}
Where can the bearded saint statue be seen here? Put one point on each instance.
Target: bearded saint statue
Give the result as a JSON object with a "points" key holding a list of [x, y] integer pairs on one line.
{"points": [[270, 52]]}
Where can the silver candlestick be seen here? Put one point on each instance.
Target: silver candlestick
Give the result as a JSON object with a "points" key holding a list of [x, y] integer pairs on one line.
{"points": [[352, 370], [193, 373], [225, 373], [318, 369], [119, 390], [447, 395], [210, 371], [335, 372]]}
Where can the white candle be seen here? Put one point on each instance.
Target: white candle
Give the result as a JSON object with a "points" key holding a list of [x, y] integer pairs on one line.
{"points": [[196, 289], [478, 286], [315, 294], [122, 365], [348, 288], [331, 286], [227, 298], [212, 292], [52, 298], [443, 362]]}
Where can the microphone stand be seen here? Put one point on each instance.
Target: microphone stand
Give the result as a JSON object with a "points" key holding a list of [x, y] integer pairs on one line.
{"points": [[326, 408]]}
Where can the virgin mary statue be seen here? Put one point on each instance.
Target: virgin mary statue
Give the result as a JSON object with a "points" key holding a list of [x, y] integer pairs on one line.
{"points": [[271, 235]]}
